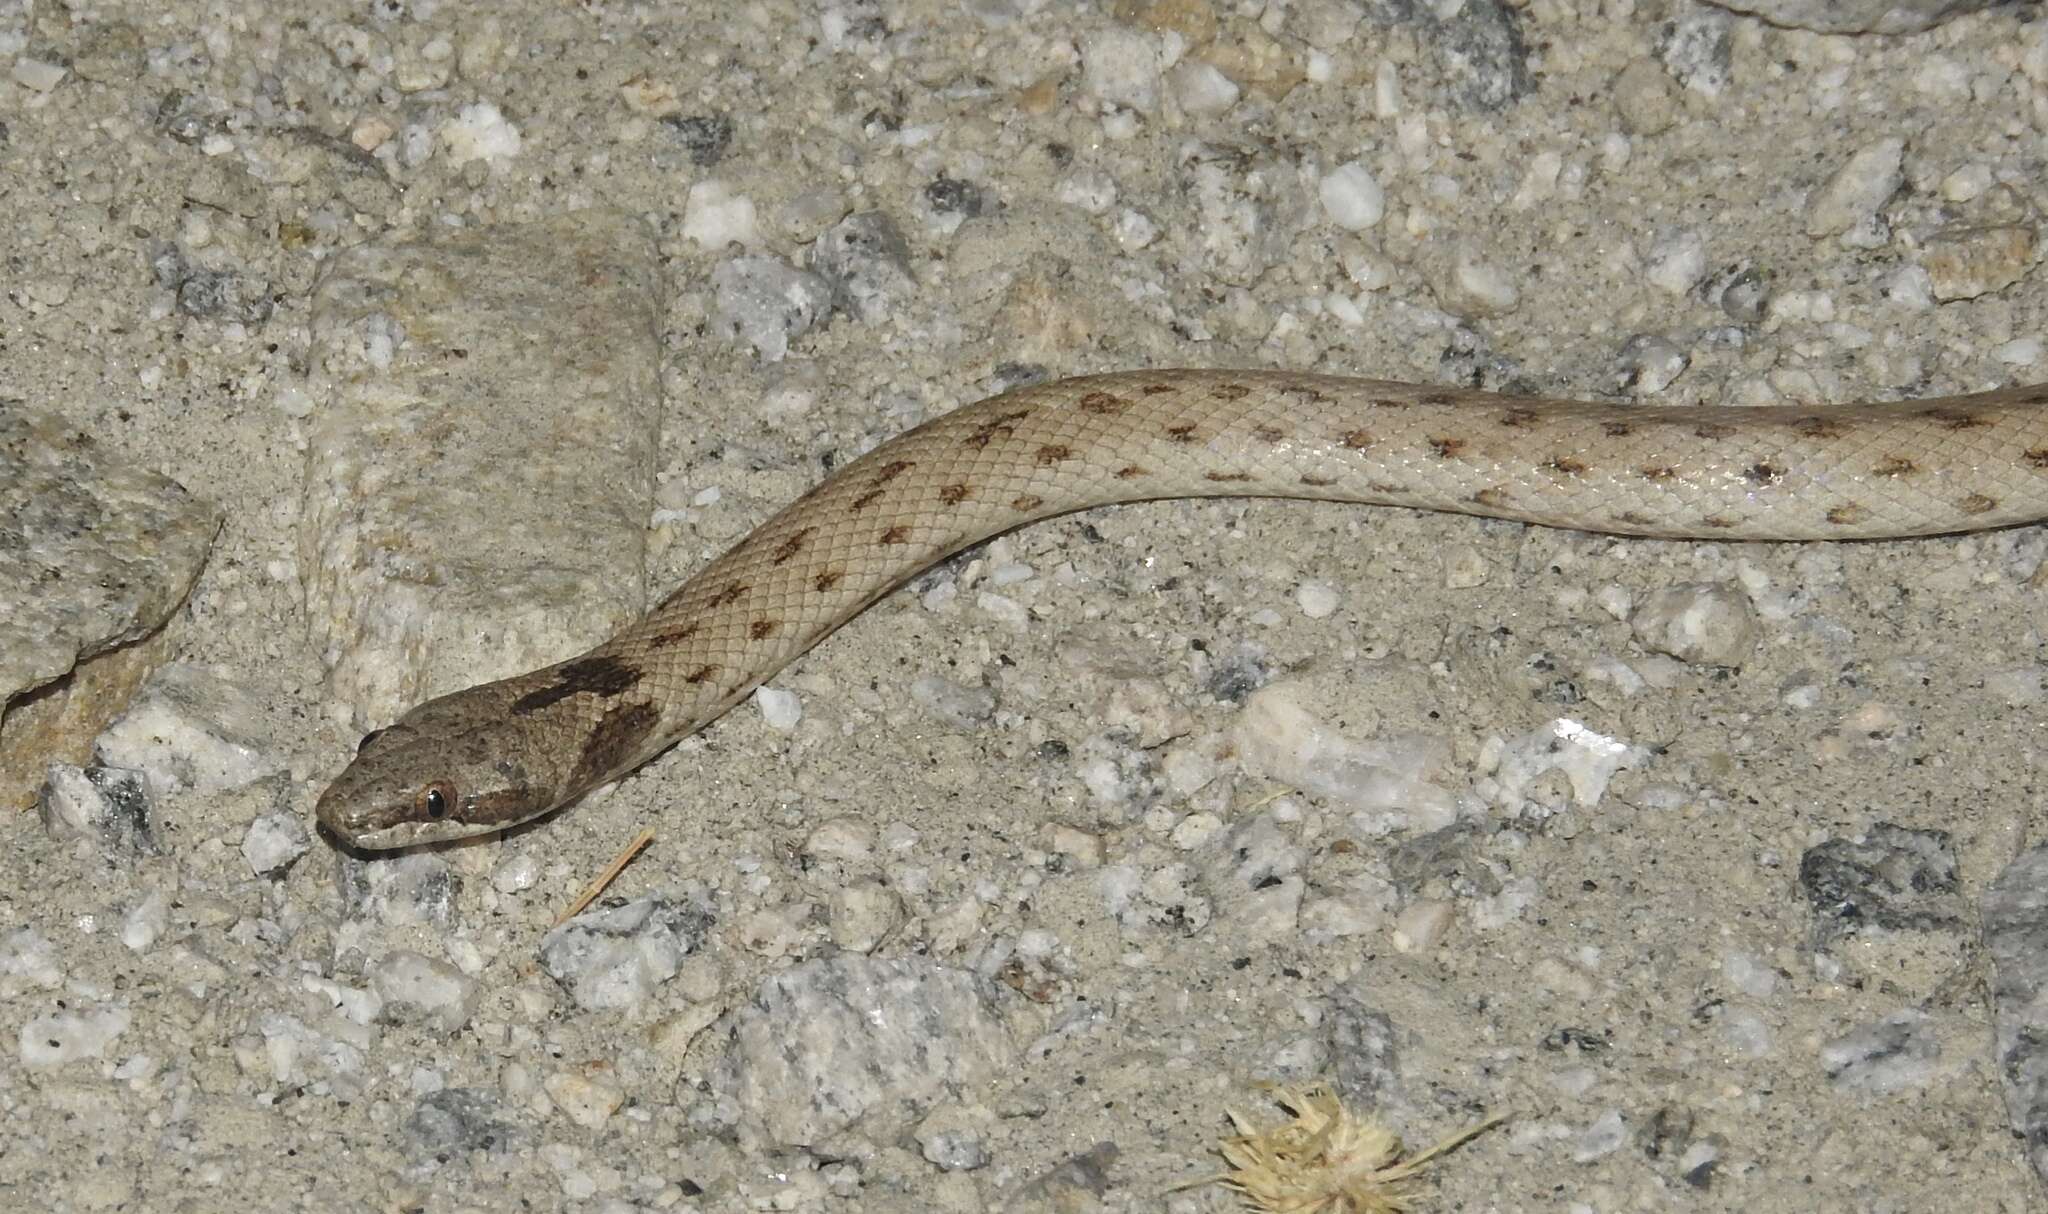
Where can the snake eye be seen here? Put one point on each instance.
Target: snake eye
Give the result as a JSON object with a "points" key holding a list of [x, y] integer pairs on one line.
{"points": [[434, 799]]}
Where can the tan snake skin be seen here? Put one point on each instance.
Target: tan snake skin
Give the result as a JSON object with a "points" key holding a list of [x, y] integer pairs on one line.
{"points": [[502, 753]]}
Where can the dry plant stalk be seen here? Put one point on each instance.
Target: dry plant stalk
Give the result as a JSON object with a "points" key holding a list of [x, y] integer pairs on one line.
{"points": [[610, 873], [1327, 1160]]}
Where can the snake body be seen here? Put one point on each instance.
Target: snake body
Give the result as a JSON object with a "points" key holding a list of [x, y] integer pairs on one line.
{"points": [[505, 752]]}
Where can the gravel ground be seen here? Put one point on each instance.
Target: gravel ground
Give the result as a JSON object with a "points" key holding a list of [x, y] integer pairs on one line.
{"points": [[1000, 898]]}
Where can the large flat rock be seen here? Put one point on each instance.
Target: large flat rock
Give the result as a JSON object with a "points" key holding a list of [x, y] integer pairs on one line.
{"points": [[481, 472], [95, 554]]}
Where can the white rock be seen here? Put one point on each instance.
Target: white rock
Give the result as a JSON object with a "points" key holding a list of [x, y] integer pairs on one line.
{"points": [[715, 217], [27, 963], [587, 1102], [1677, 262], [418, 988], [516, 874], [1857, 189], [480, 132], [36, 75], [273, 842], [190, 730], [1121, 66], [1706, 624], [1352, 197], [56, 1038], [1316, 599], [780, 709], [145, 922], [1201, 89]]}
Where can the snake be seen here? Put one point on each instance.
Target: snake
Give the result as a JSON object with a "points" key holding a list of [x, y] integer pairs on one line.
{"points": [[503, 753]]}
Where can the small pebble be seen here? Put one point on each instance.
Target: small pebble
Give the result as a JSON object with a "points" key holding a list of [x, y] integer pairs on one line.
{"points": [[1352, 197], [780, 709]]}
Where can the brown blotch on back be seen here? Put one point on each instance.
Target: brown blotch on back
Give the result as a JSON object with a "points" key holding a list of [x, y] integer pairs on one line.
{"points": [[598, 676], [662, 640], [1230, 391], [1656, 472], [1519, 418], [761, 630], [1357, 440], [1816, 426], [1956, 419], [2036, 457], [1763, 474], [1025, 503], [1104, 402], [896, 535], [865, 500], [1447, 447], [1053, 453], [1182, 432], [1894, 466], [1845, 515], [702, 674], [1439, 398], [1003, 423], [954, 493], [614, 742], [1715, 521], [1713, 431], [1156, 389], [1130, 472], [1227, 477], [1629, 518], [788, 549], [828, 579], [730, 595], [1391, 402], [1268, 434], [1567, 465], [893, 469], [1317, 481], [1617, 429], [1493, 498], [1977, 503]]}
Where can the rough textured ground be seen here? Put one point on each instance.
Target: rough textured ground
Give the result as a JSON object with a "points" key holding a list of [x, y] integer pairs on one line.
{"points": [[1030, 795]]}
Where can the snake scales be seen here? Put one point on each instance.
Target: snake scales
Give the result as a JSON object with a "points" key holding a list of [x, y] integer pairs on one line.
{"points": [[502, 753]]}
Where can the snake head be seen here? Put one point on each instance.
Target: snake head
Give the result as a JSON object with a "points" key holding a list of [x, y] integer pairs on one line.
{"points": [[409, 785]]}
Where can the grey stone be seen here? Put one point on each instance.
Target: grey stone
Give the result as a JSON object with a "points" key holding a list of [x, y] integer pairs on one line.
{"points": [[1896, 1053], [2015, 926], [111, 805], [764, 302], [94, 553], [1862, 16], [615, 958], [1891, 878], [191, 730], [456, 1121], [417, 889], [854, 1042], [418, 989], [867, 261], [1078, 1184], [1479, 51]]}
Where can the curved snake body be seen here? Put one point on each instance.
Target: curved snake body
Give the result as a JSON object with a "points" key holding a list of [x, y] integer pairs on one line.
{"points": [[502, 753]]}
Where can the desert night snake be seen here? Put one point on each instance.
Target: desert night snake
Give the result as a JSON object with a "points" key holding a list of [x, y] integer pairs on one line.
{"points": [[503, 753]]}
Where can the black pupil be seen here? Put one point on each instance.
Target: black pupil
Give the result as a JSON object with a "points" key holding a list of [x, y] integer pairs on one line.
{"points": [[436, 803]]}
